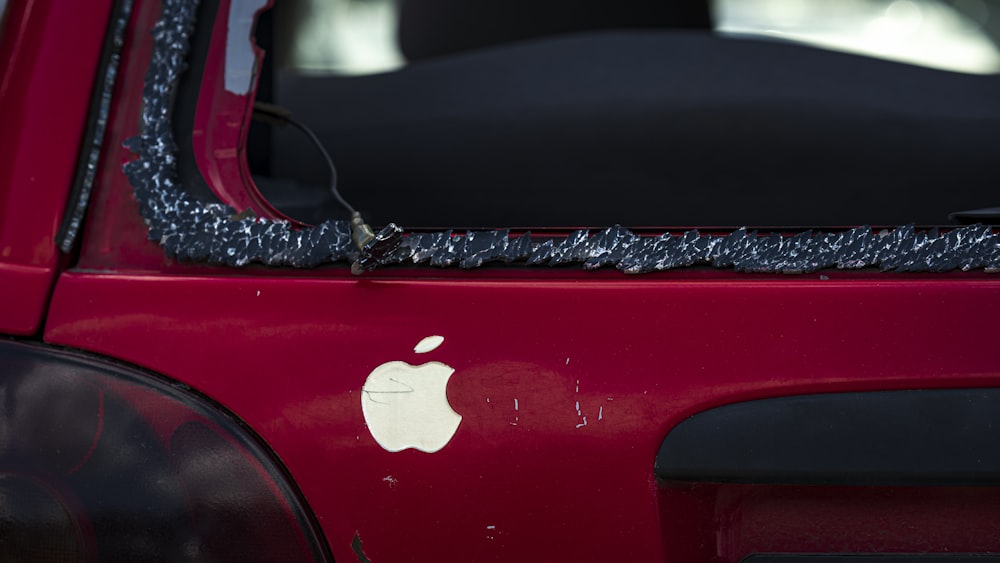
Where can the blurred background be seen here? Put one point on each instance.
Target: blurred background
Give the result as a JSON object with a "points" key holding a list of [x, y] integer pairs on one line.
{"points": [[359, 36], [568, 112]]}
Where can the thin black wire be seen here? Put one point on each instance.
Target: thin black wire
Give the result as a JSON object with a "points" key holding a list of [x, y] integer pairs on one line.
{"points": [[326, 156]]}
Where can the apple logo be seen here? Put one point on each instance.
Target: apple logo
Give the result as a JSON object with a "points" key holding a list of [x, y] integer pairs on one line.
{"points": [[407, 406]]}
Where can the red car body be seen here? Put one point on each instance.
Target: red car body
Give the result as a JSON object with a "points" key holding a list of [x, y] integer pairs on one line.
{"points": [[567, 381]]}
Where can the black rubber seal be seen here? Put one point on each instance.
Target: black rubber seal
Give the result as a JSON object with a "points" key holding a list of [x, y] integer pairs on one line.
{"points": [[96, 126], [913, 438]]}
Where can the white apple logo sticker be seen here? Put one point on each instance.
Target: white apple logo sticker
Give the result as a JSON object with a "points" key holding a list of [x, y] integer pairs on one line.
{"points": [[407, 406]]}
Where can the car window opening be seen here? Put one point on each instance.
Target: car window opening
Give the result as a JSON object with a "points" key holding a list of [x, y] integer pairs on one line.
{"points": [[192, 227], [641, 118]]}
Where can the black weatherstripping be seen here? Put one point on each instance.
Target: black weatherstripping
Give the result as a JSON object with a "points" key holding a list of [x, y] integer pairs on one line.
{"points": [[920, 437], [189, 229]]}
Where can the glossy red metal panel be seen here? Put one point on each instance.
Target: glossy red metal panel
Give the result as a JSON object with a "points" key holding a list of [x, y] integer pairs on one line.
{"points": [[49, 52], [290, 356], [222, 123], [289, 352]]}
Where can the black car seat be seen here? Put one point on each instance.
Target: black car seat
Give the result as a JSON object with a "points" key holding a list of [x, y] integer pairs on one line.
{"points": [[641, 126], [430, 28]]}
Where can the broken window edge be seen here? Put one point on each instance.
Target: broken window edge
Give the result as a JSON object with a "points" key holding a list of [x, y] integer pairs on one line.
{"points": [[189, 230]]}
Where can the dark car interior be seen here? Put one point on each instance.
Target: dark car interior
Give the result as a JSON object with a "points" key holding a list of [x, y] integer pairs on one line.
{"points": [[562, 113]]}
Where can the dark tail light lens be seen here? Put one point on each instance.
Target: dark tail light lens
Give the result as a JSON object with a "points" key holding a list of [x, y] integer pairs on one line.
{"points": [[100, 462]]}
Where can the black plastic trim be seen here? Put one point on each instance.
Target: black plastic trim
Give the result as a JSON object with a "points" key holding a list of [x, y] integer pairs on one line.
{"points": [[96, 125], [919, 437]]}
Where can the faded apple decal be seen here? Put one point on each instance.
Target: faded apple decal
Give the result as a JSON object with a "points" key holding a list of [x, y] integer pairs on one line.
{"points": [[407, 406]]}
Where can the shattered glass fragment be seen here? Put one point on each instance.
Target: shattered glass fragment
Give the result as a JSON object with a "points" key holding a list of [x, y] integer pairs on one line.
{"points": [[518, 249], [482, 247], [379, 248], [424, 245], [571, 249], [540, 253], [218, 234]]}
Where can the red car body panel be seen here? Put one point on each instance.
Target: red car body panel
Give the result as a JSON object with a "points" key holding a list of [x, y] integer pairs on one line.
{"points": [[290, 355], [567, 381], [50, 53], [222, 124]]}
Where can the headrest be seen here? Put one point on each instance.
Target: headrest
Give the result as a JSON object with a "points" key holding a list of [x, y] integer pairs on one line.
{"points": [[431, 28]]}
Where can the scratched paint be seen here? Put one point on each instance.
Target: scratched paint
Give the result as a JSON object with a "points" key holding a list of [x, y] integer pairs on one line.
{"points": [[579, 413]]}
